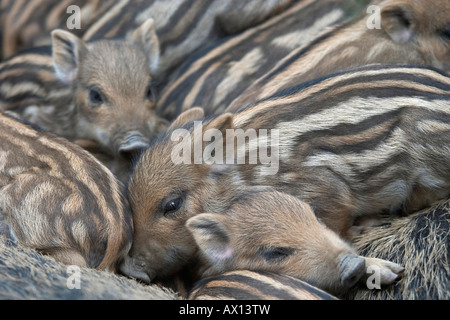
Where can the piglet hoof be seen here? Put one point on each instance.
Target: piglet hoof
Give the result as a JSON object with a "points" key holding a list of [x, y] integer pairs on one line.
{"points": [[389, 271], [351, 269]]}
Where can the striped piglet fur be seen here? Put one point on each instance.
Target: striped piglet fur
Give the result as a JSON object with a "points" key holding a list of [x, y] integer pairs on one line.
{"points": [[184, 26], [310, 40], [373, 139], [27, 24], [59, 200], [251, 285], [215, 76], [409, 32]]}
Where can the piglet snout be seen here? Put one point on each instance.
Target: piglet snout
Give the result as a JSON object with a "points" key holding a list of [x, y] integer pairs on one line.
{"points": [[135, 269], [351, 269], [133, 143]]}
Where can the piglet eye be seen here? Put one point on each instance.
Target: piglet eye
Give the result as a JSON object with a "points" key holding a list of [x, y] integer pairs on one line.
{"points": [[95, 96], [276, 254], [151, 92], [171, 205], [446, 33]]}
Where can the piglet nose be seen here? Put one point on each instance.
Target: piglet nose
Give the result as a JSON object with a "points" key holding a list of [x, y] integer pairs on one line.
{"points": [[132, 268], [132, 144], [351, 269]]}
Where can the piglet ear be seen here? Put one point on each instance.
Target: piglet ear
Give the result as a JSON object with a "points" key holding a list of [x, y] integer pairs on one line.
{"points": [[211, 235], [216, 129], [145, 37], [398, 21], [187, 116], [222, 123], [67, 52]]}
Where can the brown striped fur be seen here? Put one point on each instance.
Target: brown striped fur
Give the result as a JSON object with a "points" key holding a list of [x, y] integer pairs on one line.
{"points": [[251, 285], [310, 40], [424, 25], [56, 198], [214, 77], [183, 26], [26, 24]]}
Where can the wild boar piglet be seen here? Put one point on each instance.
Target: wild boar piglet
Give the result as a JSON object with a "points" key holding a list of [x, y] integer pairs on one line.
{"points": [[266, 230]]}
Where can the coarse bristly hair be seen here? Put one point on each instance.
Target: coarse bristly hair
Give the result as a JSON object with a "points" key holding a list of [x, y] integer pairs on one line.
{"points": [[420, 243], [26, 274]]}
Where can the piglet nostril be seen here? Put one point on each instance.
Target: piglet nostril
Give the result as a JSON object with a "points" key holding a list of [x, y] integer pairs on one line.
{"points": [[351, 269], [130, 154]]}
